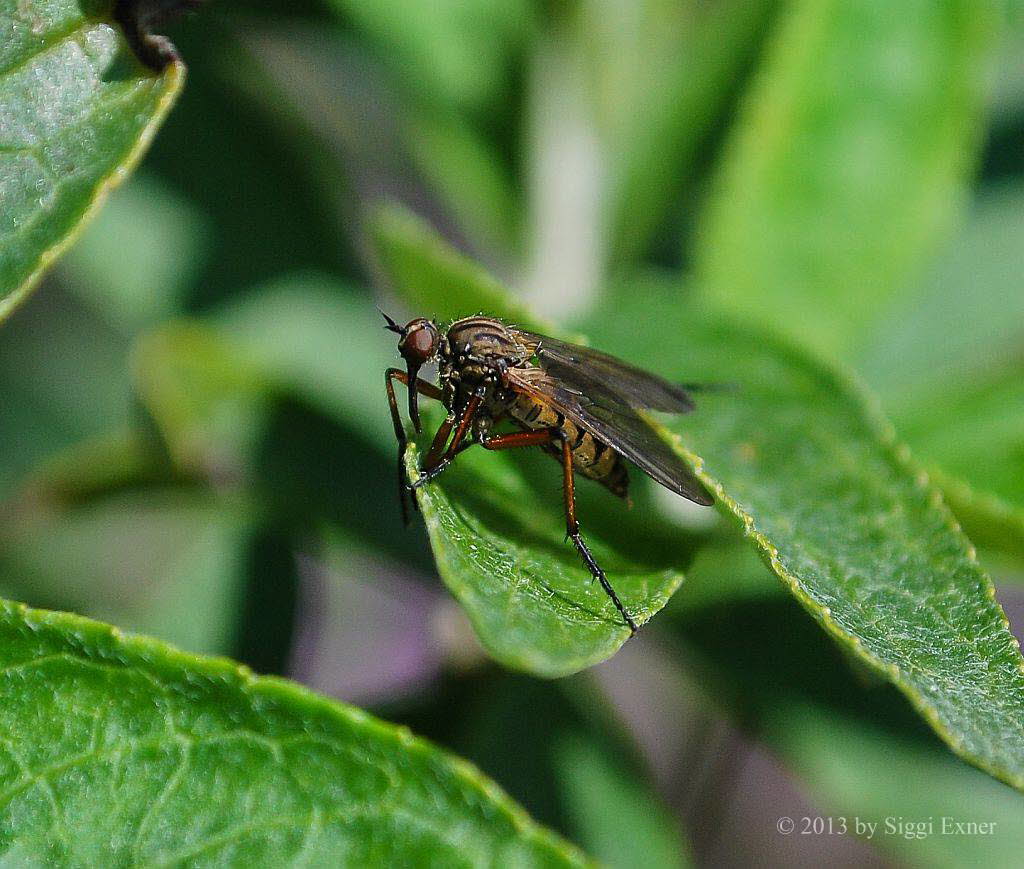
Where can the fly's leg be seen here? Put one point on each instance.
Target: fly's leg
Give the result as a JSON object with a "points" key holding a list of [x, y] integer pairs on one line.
{"points": [[500, 442], [433, 465], [521, 439], [572, 527], [441, 438], [437, 445], [423, 388]]}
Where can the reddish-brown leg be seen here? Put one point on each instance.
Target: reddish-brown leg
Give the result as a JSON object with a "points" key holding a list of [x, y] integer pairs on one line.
{"points": [[423, 388], [572, 527], [521, 439], [434, 466], [439, 442]]}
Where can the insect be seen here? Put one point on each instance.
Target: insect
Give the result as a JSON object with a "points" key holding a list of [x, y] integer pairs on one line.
{"points": [[577, 404], [138, 18]]}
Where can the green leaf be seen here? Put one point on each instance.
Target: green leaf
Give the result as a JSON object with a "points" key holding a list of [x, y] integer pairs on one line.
{"points": [[836, 508], [972, 298], [468, 174], [62, 379], [980, 437], [205, 398], [500, 547], [848, 162], [859, 535], [77, 111], [975, 453], [660, 71], [454, 52], [988, 520], [136, 261], [161, 561], [120, 750], [959, 401], [620, 822], [97, 465], [310, 336], [432, 278]]}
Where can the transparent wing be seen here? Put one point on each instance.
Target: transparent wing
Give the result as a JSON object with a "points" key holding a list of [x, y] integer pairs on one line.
{"points": [[614, 422], [597, 374]]}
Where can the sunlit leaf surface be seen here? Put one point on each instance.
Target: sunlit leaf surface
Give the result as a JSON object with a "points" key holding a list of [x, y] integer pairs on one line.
{"points": [[76, 112], [119, 750], [836, 508], [500, 547]]}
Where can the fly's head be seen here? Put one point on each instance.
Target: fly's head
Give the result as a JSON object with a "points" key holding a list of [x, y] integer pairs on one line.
{"points": [[418, 342]]}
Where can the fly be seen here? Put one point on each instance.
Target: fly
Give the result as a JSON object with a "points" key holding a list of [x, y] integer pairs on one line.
{"points": [[577, 404]]}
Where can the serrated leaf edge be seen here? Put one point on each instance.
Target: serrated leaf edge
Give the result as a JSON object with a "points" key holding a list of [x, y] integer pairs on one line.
{"points": [[899, 453]]}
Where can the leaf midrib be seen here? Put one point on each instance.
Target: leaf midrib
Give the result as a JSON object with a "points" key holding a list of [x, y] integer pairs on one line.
{"points": [[50, 42]]}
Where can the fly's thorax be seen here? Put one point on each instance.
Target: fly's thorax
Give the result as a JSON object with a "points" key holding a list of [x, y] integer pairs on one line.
{"points": [[476, 352], [481, 348]]}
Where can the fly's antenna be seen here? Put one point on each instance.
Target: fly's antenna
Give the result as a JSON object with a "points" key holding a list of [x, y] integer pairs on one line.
{"points": [[392, 325]]}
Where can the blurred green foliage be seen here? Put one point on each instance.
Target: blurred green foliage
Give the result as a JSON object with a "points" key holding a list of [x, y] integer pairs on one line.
{"points": [[192, 406]]}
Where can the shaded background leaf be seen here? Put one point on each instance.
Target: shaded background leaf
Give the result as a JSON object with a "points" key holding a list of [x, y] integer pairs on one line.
{"points": [[619, 822], [848, 164], [185, 582]]}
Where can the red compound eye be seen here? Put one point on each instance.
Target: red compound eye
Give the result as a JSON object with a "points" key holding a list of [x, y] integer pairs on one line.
{"points": [[420, 341]]}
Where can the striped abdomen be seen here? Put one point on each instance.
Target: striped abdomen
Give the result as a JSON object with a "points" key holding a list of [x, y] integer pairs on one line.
{"points": [[590, 457]]}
